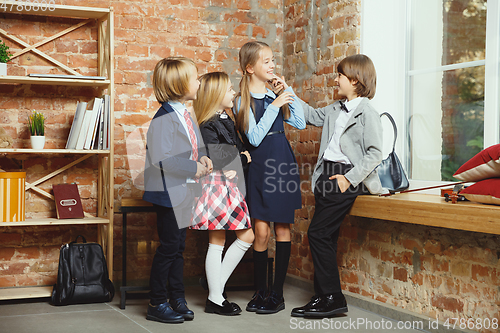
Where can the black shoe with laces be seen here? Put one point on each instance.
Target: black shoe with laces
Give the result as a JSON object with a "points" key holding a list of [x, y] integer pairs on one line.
{"points": [[299, 312], [272, 303], [329, 305], [256, 301]]}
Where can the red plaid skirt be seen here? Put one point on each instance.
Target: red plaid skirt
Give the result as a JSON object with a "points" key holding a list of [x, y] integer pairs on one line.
{"points": [[221, 205]]}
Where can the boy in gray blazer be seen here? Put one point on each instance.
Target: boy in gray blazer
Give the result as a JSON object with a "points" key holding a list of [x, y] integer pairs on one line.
{"points": [[175, 158], [350, 150]]}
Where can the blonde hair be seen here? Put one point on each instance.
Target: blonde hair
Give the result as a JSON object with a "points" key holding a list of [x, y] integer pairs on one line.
{"points": [[213, 88], [171, 78], [360, 68], [249, 55]]}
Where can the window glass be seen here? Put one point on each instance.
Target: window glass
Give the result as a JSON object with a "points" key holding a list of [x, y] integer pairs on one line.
{"points": [[446, 116], [446, 124], [447, 32]]}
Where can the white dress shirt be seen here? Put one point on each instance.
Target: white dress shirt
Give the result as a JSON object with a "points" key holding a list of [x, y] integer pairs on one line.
{"points": [[333, 153]]}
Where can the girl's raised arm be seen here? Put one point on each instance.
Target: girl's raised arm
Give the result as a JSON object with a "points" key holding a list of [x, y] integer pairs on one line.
{"points": [[296, 119], [257, 131]]}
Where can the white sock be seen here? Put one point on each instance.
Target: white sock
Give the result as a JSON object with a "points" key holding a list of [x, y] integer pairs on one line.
{"points": [[231, 259], [213, 269]]}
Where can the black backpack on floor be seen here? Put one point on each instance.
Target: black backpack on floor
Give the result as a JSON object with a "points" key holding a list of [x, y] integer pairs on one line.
{"points": [[82, 276]]}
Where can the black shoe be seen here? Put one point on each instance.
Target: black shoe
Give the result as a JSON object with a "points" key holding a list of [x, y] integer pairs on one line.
{"points": [[164, 314], [328, 305], [256, 301], [179, 305], [299, 312], [227, 309], [272, 303]]}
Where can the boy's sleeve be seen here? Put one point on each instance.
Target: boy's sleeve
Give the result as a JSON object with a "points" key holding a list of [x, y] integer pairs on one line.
{"points": [[312, 116], [372, 138], [161, 140], [296, 112]]}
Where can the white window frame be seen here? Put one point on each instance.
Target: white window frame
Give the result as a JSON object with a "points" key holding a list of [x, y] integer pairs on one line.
{"points": [[385, 38]]}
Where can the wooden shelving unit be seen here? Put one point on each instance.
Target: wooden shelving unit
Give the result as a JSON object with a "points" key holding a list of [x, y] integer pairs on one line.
{"points": [[52, 151], [55, 221], [53, 82], [25, 292], [105, 195]]}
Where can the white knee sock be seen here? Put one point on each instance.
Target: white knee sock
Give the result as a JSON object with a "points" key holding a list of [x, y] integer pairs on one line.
{"points": [[231, 259], [213, 268]]}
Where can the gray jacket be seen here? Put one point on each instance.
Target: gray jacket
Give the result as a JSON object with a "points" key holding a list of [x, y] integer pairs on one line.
{"points": [[361, 141]]}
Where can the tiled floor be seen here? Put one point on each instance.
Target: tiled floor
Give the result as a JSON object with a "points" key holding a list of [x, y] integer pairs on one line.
{"points": [[41, 317]]}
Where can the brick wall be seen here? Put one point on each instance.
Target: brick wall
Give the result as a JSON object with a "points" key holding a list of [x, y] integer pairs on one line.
{"points": [[419, 268], [209, 32], [441, 273], [318, 35]]}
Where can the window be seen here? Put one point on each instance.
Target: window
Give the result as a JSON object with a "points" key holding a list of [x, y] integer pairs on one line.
{"points": [[437, 68]]}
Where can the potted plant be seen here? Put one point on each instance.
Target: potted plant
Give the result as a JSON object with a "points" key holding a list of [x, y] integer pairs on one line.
{"points": [[4, 57], [36, 124]]}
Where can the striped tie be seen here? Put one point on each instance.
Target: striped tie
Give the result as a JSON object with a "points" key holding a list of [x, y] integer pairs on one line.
{"points": [[192, 136]]}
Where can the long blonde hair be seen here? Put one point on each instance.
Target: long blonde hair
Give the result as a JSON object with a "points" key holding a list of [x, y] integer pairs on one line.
{"points": [[249, 55], [213, 88]]}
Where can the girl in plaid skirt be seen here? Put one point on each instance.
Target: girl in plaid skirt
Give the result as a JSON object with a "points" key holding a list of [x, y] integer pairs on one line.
{"points": [[221, 205]]}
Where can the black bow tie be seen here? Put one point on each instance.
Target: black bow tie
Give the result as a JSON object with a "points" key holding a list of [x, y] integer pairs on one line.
{"points": [[343, 107]]}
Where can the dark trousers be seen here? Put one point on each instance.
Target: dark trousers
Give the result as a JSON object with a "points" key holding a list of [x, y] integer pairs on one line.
{"points": [[168, 261], [330, 210]]}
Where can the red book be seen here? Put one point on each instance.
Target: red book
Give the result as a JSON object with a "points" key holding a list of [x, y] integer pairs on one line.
{"points": [[68, 203]]}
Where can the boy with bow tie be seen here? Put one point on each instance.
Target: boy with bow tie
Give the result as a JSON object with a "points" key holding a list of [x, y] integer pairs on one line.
{"points": [[350, 150]]}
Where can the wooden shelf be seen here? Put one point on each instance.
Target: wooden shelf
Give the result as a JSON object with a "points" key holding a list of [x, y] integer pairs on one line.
{"points": [[59, 10], [25, 292], [105, 163], [52, 151], [53, 82], [431, 210], [55, 221]]}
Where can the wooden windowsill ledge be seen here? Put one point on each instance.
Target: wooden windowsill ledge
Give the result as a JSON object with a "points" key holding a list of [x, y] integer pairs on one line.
{"points": [[431, 210]]}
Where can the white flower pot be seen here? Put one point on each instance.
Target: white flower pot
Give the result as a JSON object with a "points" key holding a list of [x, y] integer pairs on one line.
{"points": [[3, 69], [37, 142]]}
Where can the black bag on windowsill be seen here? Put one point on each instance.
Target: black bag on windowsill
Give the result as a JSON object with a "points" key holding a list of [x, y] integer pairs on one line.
{"points": [[390, 171], [82, 276]]}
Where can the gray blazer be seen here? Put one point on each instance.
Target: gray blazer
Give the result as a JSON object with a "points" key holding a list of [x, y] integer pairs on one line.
{"points": [[361, 141], [168, 163]]}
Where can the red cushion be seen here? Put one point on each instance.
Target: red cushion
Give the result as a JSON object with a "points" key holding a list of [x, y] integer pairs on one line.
{"points": [[486, 164], [486, 191]]}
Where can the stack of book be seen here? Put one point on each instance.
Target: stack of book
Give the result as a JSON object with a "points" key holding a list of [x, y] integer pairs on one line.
{"points": [[90, 128]]}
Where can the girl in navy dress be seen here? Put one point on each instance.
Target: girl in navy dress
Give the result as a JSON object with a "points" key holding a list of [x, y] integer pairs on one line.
{"points": [[221, 206], [273, 183]]}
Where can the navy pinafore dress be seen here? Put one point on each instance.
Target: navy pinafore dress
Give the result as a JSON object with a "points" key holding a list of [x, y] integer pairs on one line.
{"points": [[273, 181]]}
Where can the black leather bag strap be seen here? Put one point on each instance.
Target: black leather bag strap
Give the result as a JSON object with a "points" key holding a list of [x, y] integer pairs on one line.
{"points": [[76, 239], [393, 126], [65, 288], [71, 290]]}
